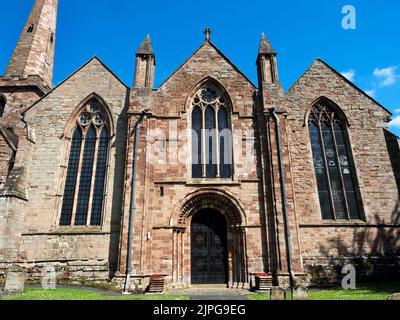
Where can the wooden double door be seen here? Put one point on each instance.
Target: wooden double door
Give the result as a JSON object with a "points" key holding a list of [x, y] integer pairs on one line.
{"points": [[209, 248]]}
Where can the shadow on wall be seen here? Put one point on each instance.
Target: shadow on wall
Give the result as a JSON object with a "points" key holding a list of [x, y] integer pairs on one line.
{"points": [[393, 147], [374, 250], [267, 255]]}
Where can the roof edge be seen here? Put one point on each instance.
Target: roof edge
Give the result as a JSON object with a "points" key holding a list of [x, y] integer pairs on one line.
{"points": [[343, 78], [70, 76], [219, 52]]}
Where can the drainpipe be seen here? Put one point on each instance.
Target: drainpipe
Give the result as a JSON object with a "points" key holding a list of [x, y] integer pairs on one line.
{"points": [[132, 207], [288, 234]]}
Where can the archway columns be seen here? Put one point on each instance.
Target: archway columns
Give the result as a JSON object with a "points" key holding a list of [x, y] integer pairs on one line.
{"points": [[179, 261], [238, 273], [238, 276], [233, 212]]}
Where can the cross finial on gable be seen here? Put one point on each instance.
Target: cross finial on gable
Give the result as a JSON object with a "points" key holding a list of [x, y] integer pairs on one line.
{"points": [[207, 32]]}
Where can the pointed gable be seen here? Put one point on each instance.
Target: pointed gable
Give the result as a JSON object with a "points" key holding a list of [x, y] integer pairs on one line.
{"points": [[206, 63], [321, 80], [208, 59], [93, 75]]}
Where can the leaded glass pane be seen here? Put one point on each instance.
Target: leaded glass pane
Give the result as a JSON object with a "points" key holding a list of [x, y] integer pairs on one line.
{"points": [[99, 184], [209, 95], [225, 143], [85, 119], [211, 152], [86, 178], [336, 182], [93, 106], [196, 143], [70, 181], [209, 160], [91, 117], [347, 174], [320, 171], [334, 173]]}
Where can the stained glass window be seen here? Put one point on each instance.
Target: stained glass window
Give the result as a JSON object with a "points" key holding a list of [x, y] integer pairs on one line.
{"points": [[225, 143], [211, 152], [101, 168], [335, 174], [70, 182], [211, 135], [83, 199], [196, 143], [85, 181]]}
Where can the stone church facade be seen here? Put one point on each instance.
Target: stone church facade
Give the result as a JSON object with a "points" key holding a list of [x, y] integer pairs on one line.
{"points": [[206, 179]]}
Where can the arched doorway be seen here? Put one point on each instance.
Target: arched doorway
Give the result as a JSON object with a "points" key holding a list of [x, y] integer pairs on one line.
{"points": [[209, 249], [227, 212]]}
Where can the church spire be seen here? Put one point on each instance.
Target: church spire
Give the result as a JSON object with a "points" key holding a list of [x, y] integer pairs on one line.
{"points": [[34, 53], [265, 46], [145, 65], [266, 62], [146, 47]]}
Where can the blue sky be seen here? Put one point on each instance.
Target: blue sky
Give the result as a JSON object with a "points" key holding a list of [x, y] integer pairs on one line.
{"points": [[300, 31]]}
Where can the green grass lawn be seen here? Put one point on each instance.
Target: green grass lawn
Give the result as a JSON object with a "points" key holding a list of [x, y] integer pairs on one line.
{"points": [[366, 291], [74, 294]]}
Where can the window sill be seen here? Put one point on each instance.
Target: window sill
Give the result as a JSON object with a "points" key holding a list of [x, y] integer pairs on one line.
{"points": [[73, 230], [213, 182], [347, 223]]}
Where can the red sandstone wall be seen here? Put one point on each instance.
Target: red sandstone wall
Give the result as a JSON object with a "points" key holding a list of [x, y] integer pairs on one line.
{"points": [[321, 239], [169, 106], [42, 239], [5, 155]]}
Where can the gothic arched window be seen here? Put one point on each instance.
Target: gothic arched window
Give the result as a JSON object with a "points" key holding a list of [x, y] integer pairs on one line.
{"points": [[30, 28], [211, 135], [2, 105], [333, 164], [83, 199]]}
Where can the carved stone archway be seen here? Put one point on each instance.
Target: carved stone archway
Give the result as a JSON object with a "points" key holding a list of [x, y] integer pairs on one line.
{"points": [[233, 212], [211, 200]]}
